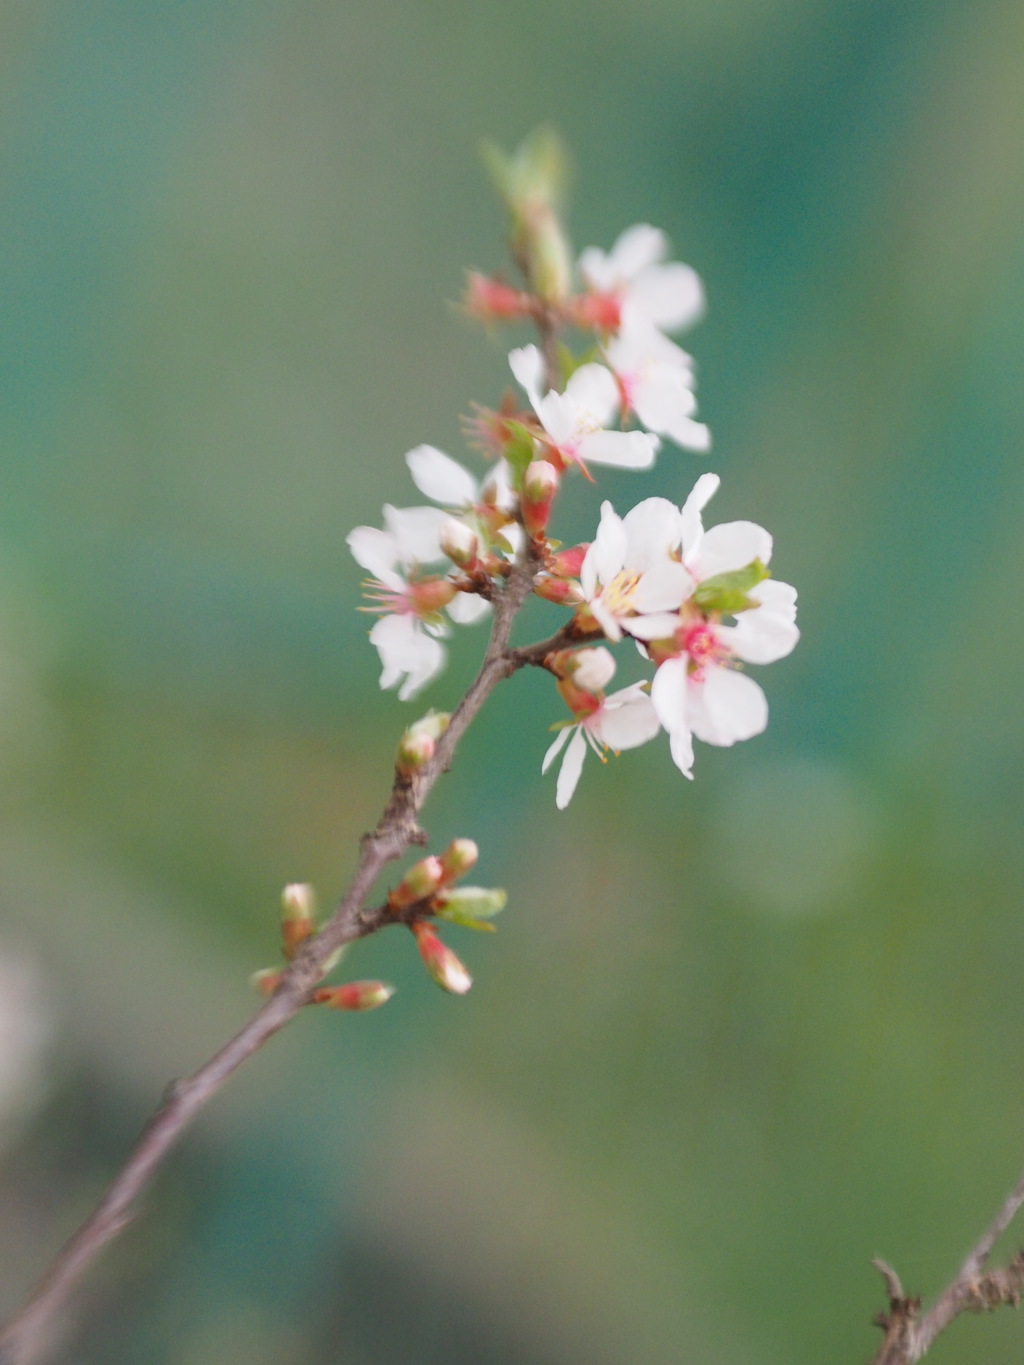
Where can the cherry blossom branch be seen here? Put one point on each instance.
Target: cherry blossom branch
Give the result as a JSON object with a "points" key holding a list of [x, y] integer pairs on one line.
{"points": [[909, 1333], [24, 1337]]}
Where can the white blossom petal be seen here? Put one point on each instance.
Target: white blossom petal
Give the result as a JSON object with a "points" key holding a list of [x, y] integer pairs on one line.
{"points": [[621, 449], [637, 248], [572, 766], [607, 553], [727, 706], [406, 649], [377, 552], [670, 696], [466, 608], [592, 388], [692, 527], [759, 636], [527, 364], [628, 722], [733, 545], [441, 478], [656, 625], [689, 434], [663, 398], [417, 532], [671, 297], [555, 748], [653, 530], [662, 588], [680, 743], [776, 597]]}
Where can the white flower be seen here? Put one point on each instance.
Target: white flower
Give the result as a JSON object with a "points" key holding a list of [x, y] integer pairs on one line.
{"points": [[697, 690], [406, 635], [628, 577], [575, 420], [656, 381], [668, 296], [445, 481], [623, 720]]}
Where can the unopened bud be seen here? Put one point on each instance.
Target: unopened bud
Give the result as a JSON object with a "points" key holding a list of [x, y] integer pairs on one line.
{"points": [[602, 312], [458, 858], [492, 300], [561, 591], [439, 960], [540, 484], [265, 982], [593, 669], [460, 543], [354, 995], [421, 881], [417, 745], [298, 906], [468, 903], [531, 182], [568, 563]]}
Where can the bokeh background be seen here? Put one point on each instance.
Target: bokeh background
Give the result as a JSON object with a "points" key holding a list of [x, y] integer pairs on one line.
{"points": [[735, 1037]]}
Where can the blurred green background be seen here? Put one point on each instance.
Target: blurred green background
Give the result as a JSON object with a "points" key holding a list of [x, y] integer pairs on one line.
{"points": [[735, 1037]]}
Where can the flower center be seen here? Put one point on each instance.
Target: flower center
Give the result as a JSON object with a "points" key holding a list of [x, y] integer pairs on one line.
{"points": [[618, 595], [703, 646]]}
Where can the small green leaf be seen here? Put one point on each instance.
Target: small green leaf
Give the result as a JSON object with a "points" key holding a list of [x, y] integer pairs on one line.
{"points": [[727, 592]]}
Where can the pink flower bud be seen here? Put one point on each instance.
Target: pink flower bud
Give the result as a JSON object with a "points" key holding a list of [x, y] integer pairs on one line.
{"points": [[417, 745], [568, 563], [421, 881], [460, 543], [492, 300], [540, 484], [457, 859], [439, 960], [354, 995], [558, 590], [579, 701]]}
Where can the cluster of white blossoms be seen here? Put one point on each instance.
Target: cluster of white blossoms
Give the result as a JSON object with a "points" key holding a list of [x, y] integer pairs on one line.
{"points": [[698, 605]]}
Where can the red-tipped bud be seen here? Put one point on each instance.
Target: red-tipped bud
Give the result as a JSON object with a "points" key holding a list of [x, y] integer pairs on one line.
{"points": [[568, 563], [457, 859], [431, 594], [421, 881], [460, 543], [439, 960], [298, 906], [558, 590], [602, 312], [491, 300], [354, 995], [540, 484], [580, 702], [265, 982]]}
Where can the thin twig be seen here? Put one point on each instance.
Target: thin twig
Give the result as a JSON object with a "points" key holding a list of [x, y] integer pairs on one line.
{"points": [[397, 830], [909, 1333]]}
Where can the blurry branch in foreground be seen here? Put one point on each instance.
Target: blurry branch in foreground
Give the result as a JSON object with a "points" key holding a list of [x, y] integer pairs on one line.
{"points": [[909, 1332]]}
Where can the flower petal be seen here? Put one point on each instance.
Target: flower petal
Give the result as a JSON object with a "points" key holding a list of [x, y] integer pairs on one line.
{"points": [[670, 695], [626, 725], [759, 636], [653, 529], [527, 364], [662, 588], [692, 527], [441, 478], [669, 296], [607, 553], [406, 649], [622, 449], [592, 388], [733, 545], [417, 532], [637, 248], [727, 706], [466, 608], [680, 743], [555, 748], [663, 398], [572, 766], [376, 551]]}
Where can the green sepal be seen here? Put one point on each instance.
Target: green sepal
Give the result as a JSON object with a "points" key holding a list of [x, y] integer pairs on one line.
{"points": [[726, 593], [452, 916], [469, 902], [519, 451]]}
